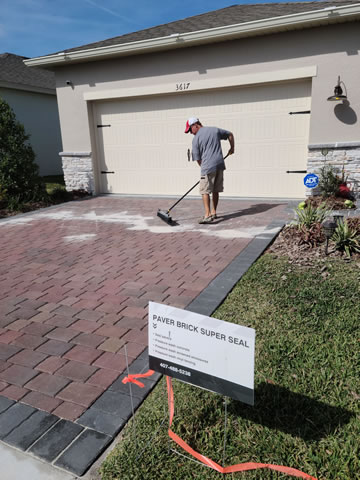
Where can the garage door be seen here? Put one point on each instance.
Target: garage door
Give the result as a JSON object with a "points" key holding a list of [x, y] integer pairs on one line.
{"points": [[142, 149]]}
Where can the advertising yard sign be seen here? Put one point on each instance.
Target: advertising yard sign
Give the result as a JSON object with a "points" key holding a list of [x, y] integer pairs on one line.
{"points": [[203, 351]]}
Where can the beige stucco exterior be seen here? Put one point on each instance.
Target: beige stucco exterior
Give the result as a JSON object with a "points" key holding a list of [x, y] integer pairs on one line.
{"points": [[333, 50]]}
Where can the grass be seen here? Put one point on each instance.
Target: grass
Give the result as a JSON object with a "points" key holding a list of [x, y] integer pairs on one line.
{"points": [[56, 193], [53, 183], [307, 371]]}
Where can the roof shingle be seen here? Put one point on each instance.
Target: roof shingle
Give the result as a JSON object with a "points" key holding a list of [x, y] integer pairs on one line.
{"points": [[14, 71], [233, 15]]}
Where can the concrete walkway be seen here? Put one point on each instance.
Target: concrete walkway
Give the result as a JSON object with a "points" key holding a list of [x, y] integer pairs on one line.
{"points": [[75, 282]]}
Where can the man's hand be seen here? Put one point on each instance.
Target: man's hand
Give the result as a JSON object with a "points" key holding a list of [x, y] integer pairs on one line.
{"points": [[231, 151]]}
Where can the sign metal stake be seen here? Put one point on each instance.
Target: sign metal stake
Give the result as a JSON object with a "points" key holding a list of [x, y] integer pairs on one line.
{"points": [[131, 399], [225, 426]]}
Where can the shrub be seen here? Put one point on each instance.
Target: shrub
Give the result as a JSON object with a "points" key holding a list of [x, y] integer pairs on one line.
{"points": [[14, 204], [19, 175], [329, 182], [3, 195], [59, 194], [312, 236], [346, 239], [310, 215]]}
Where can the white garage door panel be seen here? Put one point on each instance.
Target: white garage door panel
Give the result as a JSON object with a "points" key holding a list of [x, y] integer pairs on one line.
{"points": [[147, 149]]}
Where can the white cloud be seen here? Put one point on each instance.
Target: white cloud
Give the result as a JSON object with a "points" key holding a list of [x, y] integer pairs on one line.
{"points": [[108, 10]]}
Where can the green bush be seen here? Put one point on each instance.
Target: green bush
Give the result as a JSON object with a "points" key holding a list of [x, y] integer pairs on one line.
{"points": [[3, 195], [329, 181], [19, 174], [310, 215], [14, 204], [346, 239], [59, 194]]}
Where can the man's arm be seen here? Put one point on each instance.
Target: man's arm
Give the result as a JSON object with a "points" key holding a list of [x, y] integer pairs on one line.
{"points": [[232, 144], [196, 152]]}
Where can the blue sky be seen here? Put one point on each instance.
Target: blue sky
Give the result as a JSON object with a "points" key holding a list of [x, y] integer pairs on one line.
{"points": [[33, 28]]}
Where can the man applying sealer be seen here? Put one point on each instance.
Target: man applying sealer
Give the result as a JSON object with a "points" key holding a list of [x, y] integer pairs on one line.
{"points": [[206, 150]]}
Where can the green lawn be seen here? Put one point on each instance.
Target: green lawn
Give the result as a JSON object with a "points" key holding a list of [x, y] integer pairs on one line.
{"points": [[307, 392], [54, 182]]}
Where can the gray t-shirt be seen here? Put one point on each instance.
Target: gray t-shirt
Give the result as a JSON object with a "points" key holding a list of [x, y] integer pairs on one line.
{"points": [[206, 146]]}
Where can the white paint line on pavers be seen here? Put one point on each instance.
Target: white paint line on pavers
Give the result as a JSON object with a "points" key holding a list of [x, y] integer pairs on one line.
{"points": [[140, 223]]}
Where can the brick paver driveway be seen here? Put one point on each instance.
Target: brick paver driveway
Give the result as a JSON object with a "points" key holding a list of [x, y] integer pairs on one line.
{"points": [[75, 282]]}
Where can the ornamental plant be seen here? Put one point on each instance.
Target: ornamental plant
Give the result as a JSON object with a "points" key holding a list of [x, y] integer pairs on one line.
{"points": [[346, 239], [308, 216], [19, 175], [329, 182]]}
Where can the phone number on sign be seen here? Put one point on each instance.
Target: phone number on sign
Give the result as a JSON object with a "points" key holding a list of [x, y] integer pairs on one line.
{"points": [[175, 369]]}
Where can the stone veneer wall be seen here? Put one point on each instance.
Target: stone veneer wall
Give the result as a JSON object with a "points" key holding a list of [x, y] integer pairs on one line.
{"points": [[78, 171], [339, 155]]}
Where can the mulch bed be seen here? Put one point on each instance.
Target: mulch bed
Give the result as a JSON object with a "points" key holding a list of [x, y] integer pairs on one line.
{"points": [[306, 247], [333, 203]]}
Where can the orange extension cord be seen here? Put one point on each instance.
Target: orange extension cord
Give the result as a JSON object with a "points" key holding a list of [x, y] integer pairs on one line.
{"points": [[240, 467]]}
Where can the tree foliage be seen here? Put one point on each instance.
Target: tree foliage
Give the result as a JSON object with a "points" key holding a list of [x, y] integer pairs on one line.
{"points": [[19, 174]]}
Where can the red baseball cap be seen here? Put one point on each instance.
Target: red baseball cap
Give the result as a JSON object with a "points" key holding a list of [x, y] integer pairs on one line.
{"points": [[190, 122]]}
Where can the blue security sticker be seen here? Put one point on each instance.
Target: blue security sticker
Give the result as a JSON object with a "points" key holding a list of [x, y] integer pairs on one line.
{"points": [[311, 180]]}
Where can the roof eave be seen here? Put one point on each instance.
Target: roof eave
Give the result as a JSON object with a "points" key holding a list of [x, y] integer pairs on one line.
{"points": [[27, 88], [259, 27]]}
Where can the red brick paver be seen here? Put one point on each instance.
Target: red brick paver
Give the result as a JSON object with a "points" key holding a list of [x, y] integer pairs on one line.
{"points": [[69, 411], [28, 358], [76, 371], [51, 364], [69, 303], [18, 375], [83, 354], [80, 393], [14, 393], [47, 384], [111, 361], [41, 401]]}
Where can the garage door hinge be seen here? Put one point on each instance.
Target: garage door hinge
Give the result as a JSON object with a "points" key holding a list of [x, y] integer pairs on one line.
{"points": [[103, 126], [300, 113]]}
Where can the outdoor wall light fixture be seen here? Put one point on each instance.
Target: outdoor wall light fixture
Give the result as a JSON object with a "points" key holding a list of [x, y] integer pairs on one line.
{"points": [[338, 92], [329, 227]]}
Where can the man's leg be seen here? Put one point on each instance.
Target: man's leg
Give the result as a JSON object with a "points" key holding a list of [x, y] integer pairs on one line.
{"points": [[215, 201], [218, 186], [206, 202]]}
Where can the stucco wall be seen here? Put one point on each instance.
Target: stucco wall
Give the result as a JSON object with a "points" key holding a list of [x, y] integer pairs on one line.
{"points": [[334, 50], [39, 114]]}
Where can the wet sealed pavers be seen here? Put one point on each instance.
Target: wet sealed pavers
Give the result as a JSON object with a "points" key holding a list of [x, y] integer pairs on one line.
{"points": [[75, 282]]}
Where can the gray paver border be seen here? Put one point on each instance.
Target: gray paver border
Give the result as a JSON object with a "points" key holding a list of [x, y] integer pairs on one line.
{"points": [[79, 455]]}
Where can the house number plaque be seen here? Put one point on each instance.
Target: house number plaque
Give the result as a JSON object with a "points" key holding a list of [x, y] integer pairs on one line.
{"points": [[182, 86]]}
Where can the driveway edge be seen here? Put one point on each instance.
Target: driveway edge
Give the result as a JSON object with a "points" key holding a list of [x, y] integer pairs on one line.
{"points": [[93, 434], [205, 304]]}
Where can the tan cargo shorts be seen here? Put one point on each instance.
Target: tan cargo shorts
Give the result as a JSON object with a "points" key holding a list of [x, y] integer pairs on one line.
{"points": [[212, 182]]}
